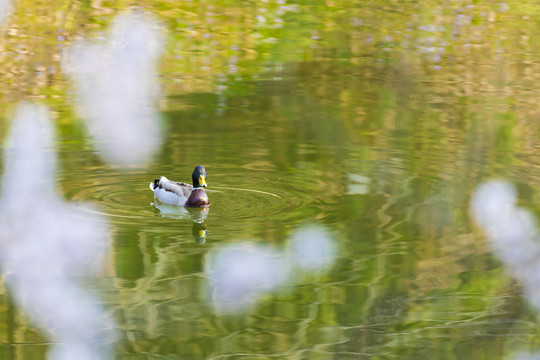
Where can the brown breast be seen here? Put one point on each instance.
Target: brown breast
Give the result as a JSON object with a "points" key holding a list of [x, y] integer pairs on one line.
{"points": [[198, 198]]}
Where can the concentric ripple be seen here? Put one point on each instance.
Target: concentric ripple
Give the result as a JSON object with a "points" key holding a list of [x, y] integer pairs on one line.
{"points": [[262, 199], [122, 196], [125, 197]]}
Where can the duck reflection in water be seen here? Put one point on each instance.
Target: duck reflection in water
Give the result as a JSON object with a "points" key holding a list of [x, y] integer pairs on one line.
{"points": [[197, 215], [198, 230]]}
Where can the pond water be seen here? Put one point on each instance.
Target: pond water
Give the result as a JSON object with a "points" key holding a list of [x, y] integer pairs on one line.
{"points": [[342, 148]]}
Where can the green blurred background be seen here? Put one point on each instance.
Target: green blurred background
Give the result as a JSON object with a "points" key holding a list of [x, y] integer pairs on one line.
{"points": [[373, 119]]}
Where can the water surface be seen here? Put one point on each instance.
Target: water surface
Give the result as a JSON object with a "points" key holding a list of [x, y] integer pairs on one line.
{"points": [[374, 122]]}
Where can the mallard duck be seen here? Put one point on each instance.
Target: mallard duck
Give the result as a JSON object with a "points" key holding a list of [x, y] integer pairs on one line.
{"points": [[177, 193]]}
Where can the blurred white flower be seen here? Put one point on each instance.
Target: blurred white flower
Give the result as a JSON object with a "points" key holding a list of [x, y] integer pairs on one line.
{"points": [[312, 248], [5, 9], [44, 241], [117, 88], [240, 273], [512, 231], [492, 201]]}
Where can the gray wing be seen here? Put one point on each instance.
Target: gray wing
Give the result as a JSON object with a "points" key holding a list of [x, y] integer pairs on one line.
{"points": [[186, 188], [181, 189]]}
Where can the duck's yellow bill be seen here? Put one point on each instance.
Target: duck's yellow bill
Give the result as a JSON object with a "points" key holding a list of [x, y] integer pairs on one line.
{"points": [[202, 233], [202, 181]]}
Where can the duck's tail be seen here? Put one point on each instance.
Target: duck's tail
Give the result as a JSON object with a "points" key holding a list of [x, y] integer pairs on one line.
{"points": [[154, 185]]}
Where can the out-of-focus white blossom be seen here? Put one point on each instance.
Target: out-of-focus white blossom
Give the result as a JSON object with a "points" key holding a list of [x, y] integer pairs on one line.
{"points": [[512, 231], [45, 241], [239, 274], [117, 88]]}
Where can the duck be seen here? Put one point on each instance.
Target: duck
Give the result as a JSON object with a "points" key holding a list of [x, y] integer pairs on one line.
{"points": [[182, 194]]}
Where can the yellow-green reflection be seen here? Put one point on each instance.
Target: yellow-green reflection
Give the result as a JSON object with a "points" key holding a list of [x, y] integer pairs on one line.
{"points": [[375, 119]]}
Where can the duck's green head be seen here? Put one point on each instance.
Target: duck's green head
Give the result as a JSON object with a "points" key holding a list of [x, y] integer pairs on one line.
{"points": [[199, 177]]}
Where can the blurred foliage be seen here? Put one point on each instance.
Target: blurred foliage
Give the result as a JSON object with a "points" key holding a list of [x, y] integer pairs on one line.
{"points": [[213, 46]]}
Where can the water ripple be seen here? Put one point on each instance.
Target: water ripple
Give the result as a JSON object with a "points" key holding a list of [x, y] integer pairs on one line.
{"points": [[124, 196]]}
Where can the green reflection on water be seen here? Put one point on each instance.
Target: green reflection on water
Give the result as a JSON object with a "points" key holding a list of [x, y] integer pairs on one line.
{"points": [[352, 124]]}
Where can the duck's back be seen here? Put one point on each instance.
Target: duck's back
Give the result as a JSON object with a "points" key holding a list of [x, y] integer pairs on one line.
{"points": [[171, 192]]}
